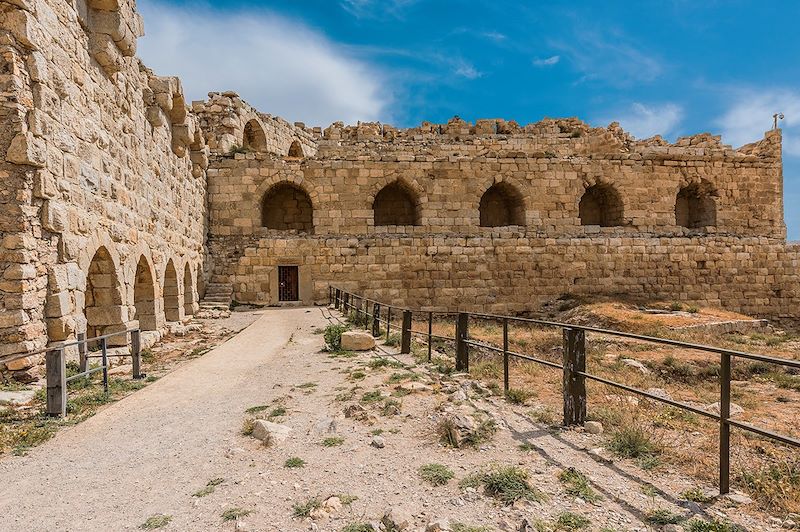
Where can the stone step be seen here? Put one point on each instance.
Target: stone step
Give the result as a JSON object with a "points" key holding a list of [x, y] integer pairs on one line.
{"points": [[218, 299]]}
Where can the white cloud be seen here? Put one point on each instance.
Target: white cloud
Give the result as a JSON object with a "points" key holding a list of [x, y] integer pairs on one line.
{"points": [[610, 58], [549, 61], [278, 65], [376, 8], [750, 115], [466, 70], [643, 121]]}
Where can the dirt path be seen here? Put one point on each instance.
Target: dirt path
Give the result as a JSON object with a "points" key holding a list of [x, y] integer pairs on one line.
{"points": [[149, 453]]}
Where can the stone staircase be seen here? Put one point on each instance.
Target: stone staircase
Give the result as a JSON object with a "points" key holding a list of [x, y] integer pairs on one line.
{"points": [[218, 295]]}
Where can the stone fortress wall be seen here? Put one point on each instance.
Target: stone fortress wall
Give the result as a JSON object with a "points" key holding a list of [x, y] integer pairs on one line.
{"points": [[500, 217], [119, 201], [102, 183]]}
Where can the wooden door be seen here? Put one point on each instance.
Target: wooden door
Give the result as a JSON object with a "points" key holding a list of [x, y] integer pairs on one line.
{"points": [[288, 283]]}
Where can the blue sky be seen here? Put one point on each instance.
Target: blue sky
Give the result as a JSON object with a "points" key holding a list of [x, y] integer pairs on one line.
{"points": [[658, 67]]}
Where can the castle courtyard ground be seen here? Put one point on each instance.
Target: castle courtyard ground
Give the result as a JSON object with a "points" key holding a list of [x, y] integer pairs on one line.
{"points": [[155, 451]]}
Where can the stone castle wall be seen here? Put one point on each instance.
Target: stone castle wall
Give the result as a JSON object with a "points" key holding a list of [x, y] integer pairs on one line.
{"points": [[102, 187], [446, 258]]}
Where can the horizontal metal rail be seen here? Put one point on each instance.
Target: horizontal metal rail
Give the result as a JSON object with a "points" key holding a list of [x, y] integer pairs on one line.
{"points": [[84, 374], [574, 367]]}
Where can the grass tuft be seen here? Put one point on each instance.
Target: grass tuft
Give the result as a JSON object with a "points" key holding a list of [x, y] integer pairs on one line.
{"points": [[577, 485], [156, 521], [508, 484], [305, 509], [436, 474], [516, 396], [333, 441], [294, 462], [232, 514], [663, 516], [572, 521]]}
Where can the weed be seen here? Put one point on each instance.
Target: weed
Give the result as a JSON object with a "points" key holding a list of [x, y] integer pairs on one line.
{"points": [[436, 474], [481, 434], [277, 412], [699, 525], [775, 484], [571, 521], [696, 495], [393, 340], [632, 442], [371, 397], [294, 462], [391, 407], [305, 509], [306, 385], [346, 396], [505, 483], [675, 307], [376, 432], [448, 433], [544, 416], [333, 441], [209, 487], [395, 378], [662, 516], [247, 427], [527, 447], [357, 375], [256, 409], [333, 336], [232, 514], [238, 149], [347, 500], [358, 527], [516, 396], [382, 362], [156, 521], [577, 485], [692, 309]]}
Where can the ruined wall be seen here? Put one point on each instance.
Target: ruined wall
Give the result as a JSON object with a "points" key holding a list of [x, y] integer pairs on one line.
{"points": [[102, 161], [544, 170]]}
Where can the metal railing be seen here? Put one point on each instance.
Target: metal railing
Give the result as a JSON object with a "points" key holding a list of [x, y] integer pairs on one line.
{"points": [[573, 364], [55, 365]]}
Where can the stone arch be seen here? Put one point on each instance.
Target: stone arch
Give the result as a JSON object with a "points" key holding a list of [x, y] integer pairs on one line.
{"points": [[188, 291], [103, 307], [286, 206], [144, 295], [601, 204], [172, 305], [696, 205], [253, 136], [502, 205], [295, 149], [397, 203]]}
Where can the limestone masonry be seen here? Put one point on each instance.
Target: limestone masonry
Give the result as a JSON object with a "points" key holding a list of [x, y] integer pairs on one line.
{"points": [[120, 201]]}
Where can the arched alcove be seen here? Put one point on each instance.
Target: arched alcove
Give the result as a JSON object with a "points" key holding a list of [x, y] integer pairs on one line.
{"points": [[396, 204], [287, 207], [188, 291], [103, 298], [171, 295], [254, 137], [144, 295], [696, 206], [501, 205], [295, 150], [601, 205]]}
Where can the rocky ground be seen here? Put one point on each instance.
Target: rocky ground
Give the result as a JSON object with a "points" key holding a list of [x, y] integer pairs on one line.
{"points": [[352, 441]]}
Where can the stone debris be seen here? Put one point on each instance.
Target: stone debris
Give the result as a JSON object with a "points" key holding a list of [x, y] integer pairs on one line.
{"points": [[440, 525], [735, 409], [267, 431], [636, 364], [593, 427], [325, 426], [378, 442], [357, 341], [395, 520], [17, 398]]}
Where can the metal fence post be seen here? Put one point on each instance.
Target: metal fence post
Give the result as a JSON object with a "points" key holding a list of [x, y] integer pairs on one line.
{"points": [[346, 304], [136, 353], [462, 349], [505, 354], [83, 360], [376, 319], [56, 369], [388, 321], [367, 324], [724, 428], [405, 344], [430, 335], [337, 301], [104, 349], [574, 358]]}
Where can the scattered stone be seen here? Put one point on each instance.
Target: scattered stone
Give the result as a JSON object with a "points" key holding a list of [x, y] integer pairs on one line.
{"points": [[458, 396], [635, 364], [355, 411], [21, 397], [414, 387], [672, 528], [357, 341], [659, 392], [267, 431], [378, 442], [738, 498], [735, 409], [440, 525], [332, 504], [241, 526], [593, 427], [395, 520], [325, 426]]}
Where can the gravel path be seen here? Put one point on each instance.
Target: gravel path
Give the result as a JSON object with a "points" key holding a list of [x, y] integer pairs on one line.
{"points": [[150, 452]]}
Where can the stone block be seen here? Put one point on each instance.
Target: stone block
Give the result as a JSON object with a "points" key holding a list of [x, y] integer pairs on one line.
{"points": [[28, 150], [357, 341]]}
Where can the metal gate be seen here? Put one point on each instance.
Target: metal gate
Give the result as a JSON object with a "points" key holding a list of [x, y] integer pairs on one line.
{"points": [[288, 283]]}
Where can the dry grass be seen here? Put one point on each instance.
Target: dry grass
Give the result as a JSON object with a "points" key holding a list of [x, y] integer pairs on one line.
{"points": [[769, 394]]}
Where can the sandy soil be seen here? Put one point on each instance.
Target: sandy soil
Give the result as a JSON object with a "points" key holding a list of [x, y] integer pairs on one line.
{"points": [[150, 452]]}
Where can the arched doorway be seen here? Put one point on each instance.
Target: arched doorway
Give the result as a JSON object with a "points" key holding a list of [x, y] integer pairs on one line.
{"points": [[188, 291], [253, 137], [601, 205], [144, 296], [287, 207], [396, 204], [696, 206], [172, 310], [103, 298], [502, 205]]}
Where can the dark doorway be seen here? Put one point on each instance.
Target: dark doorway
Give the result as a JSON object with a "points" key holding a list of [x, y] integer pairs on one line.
{"points": [[288, 284]]}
